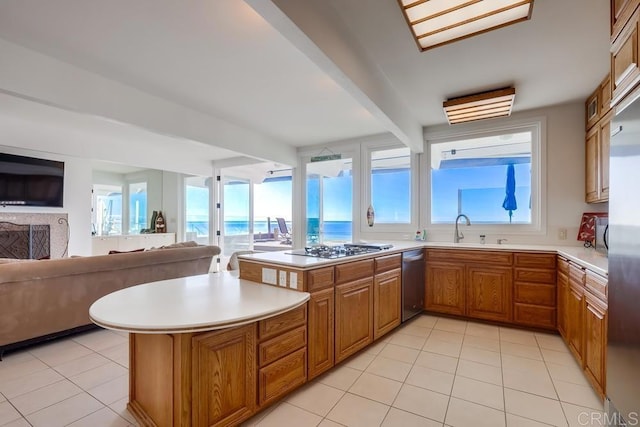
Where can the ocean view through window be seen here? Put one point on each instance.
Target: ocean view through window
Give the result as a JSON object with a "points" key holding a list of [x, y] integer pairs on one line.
{"points": [[488, 178]]}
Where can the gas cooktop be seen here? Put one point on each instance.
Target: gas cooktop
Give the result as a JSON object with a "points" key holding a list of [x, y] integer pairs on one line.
{"points": [[340, 251]]}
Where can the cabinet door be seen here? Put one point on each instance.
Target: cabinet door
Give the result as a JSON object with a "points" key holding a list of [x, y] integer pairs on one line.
{"points": [[320, 332], [563, 299], [444, 291], [575, 321], [595, 344], [625, 73], [591, 165], [603, 158], [224, 376], [354, 317], [386, 302], [489, 293]]}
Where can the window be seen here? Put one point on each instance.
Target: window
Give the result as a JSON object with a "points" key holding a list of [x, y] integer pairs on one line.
{"points": [[197, 196], [391, 185], [137, 207], [492, 177]]}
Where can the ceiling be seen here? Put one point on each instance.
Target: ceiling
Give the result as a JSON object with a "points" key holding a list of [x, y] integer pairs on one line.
{"points": [[223, 59]]}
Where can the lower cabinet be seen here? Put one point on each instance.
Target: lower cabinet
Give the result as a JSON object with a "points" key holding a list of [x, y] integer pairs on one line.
{"points": [[445, 288], [563, 296], [575, 311], [282, 354], [224, 376], [354, 317], [489, 293], [595, 341], [321, 332], [386, 302]]}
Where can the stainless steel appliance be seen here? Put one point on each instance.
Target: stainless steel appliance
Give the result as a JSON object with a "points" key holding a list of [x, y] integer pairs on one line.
{"points": [[623, 347], [412, 283], [602, 235], [340, 251]]}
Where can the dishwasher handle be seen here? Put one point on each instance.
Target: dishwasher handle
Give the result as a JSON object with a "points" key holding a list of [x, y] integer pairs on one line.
{"points": [[413, 258]]}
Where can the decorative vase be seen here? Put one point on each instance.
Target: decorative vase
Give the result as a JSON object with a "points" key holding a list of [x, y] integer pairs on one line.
{"points": [[370, 216], [160, 224]]}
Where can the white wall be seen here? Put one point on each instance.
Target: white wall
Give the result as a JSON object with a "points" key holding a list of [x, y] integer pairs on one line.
{"points": [[77, 198]]}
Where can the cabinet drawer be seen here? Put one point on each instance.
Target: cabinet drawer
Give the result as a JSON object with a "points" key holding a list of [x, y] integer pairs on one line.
{"points": [[275, 348], [276, 325], [597, 285], [576, 274], [389, 262], [534, 260], [282, 376], [535, 293], [479, 257], [563, 266], [354, 270], [535, 275], [319, 279], [535, 315]]}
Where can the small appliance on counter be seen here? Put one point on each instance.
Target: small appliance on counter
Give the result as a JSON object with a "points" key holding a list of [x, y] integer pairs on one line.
{"points": [[602, 235], [587, 230]]}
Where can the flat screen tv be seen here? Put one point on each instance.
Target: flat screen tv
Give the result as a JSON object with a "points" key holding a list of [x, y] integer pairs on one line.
{"points": [[27, 181]]}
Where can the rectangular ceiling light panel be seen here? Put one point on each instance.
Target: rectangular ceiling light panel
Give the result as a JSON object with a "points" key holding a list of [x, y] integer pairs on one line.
{"points": [[486, 105], [438, 22]]}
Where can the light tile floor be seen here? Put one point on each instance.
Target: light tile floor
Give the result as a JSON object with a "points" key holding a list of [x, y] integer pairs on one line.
{"points": [[431, 372]]}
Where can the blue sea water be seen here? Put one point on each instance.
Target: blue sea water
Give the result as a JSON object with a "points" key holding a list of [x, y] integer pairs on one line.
{"points": [[333, 230]]}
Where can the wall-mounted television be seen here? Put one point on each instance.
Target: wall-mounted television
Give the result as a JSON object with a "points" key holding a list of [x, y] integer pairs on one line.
{"points": [[27, 181]]}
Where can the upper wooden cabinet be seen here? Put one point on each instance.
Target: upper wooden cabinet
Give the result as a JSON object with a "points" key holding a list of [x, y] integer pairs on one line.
{"points": [[625, 71], [598, 121], [621, 10]]}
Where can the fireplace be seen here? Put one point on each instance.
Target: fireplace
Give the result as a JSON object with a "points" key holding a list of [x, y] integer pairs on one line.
{"points": [[25, 241]]}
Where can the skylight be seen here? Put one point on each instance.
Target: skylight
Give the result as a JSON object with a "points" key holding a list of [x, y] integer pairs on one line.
{"points": [[438, 22]]}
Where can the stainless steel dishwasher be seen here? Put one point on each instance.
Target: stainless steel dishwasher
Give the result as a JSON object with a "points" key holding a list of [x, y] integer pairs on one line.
{"points": [[412, 283]]}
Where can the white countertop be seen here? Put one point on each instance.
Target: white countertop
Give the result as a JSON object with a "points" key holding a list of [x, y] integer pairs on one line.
{"points": [[192, 304], [588, 258]]}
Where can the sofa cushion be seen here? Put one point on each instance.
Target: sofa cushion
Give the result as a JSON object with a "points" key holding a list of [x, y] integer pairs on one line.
{"points": [[113, 251]]}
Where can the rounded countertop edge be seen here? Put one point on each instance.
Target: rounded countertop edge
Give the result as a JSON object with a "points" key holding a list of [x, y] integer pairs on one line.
{"points": [[228, 324]]}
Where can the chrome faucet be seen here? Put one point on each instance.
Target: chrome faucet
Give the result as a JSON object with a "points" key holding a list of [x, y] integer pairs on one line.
{"points": [[457, 235]]}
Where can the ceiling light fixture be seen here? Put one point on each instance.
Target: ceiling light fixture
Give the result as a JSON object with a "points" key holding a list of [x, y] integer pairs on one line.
{"points": [[438, 22], [480, 106]]}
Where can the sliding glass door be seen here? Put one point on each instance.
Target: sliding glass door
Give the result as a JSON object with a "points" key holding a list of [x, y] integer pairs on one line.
{"points": [[237, 215]]}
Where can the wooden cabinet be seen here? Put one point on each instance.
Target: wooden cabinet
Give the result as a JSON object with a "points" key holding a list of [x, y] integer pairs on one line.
{"points": [[445, 290], [575, 311], [563, 296], [621, 10], [625, 72], [386, 302], [535, 290], [595, 341], [591, 164], [224, 376], [476, 284], [354, 317], [282, 354], [597, 146], [321, 332], [489, 293]]}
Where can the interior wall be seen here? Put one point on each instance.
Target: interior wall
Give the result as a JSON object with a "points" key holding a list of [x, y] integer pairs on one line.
{"points": [[565, 182], [76, 202], [172, 202]]}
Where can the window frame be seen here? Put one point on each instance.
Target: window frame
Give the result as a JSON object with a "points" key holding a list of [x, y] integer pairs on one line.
{"points": [[414, 223], [537, 126]]}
